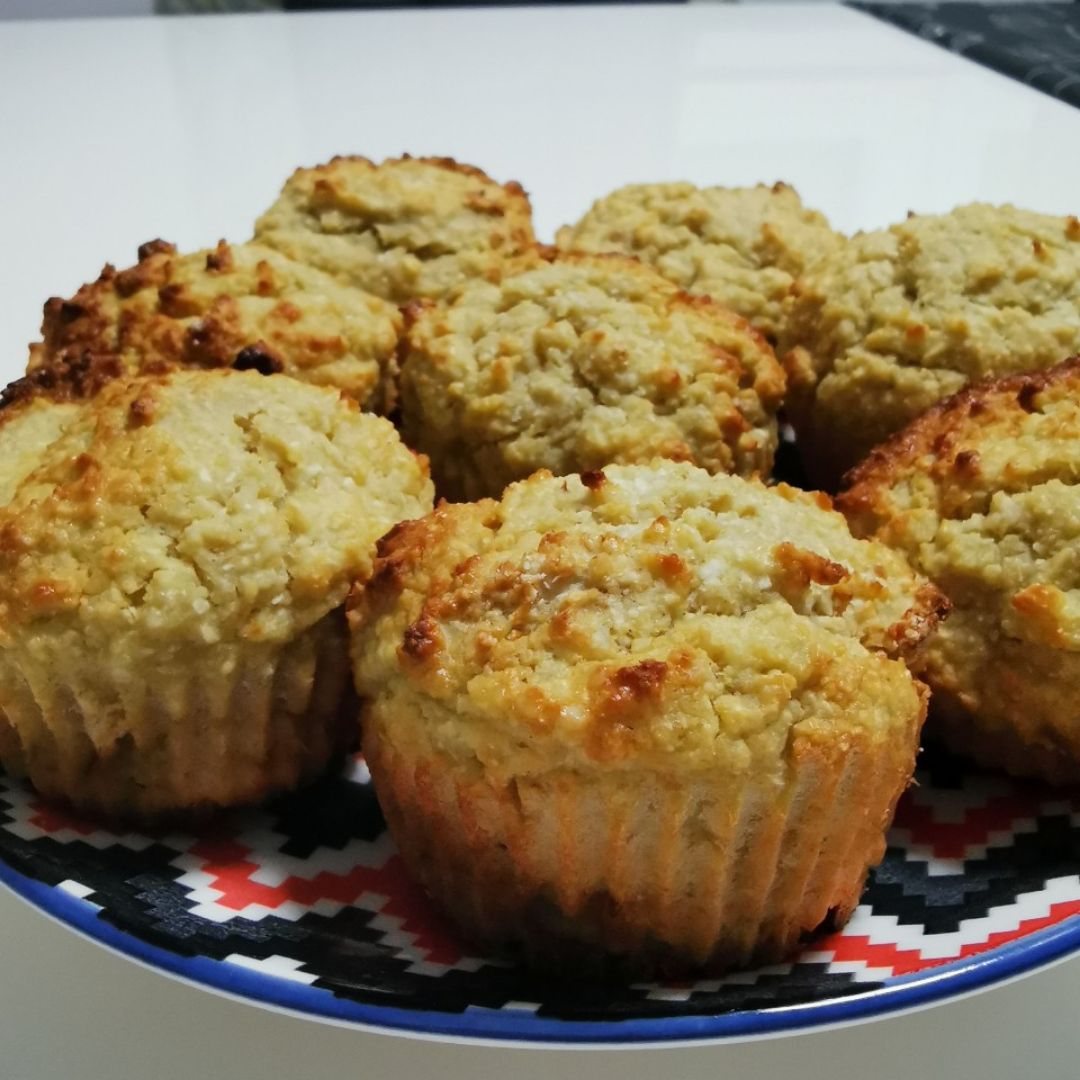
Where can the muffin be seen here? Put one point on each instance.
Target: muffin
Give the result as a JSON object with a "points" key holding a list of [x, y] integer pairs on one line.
{"points": [[407, 229], [646, 715], [239, 305], [741, 246], [982, 494], [579, 361], [175, 553], [897, 320]]}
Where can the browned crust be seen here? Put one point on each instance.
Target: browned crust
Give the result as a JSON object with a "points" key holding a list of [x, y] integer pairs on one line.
{"points": [[142, 410], [449, 164], [220, 259], [619, 700], [91, 322], [422, 639], [259, 357], [96, 335], [82, 375], [399, 551], [797, 569], [158, 247], [800, 567], [939, 430], [930, 609]]}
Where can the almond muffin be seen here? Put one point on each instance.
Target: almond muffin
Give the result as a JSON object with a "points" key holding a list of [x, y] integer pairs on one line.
{"points": [[238, 305], [894, 321], [742, 246], [405, 229], [646, 714], [579, 361], [174, 556], [982, 494]]}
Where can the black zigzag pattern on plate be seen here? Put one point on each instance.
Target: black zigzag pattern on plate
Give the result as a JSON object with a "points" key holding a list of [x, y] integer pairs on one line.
{"points": [[940, 903], [351, 955], [138, 892]]}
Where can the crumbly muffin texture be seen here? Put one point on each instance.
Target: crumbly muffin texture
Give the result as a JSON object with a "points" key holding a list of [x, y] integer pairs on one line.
{"points": [[405, 229], [742, 246], [643, 616], [645, 717], [191, 509], [174, 554], [899, 319], [982, 495], [28, 426], [579, 361], [238, 305]]}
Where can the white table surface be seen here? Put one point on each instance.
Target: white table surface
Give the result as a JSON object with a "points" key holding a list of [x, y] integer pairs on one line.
{"points": [[116, 131]]}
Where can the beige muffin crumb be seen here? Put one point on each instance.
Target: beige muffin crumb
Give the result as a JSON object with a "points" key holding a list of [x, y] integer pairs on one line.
{"points": [[174, 554], [28, 428], [236, 305], [981, 494], [579, 361], [899, 319], [744, 247], [647, 710], [407, 228]]}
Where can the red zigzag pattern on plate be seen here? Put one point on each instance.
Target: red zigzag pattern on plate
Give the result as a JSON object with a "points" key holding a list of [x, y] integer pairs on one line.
{"points": [[231, 868], [860, 949], [230, 865], [952, 840]]}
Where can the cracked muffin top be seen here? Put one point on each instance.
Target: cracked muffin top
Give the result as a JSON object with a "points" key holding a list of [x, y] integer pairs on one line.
{"points": [[643, 614], [190, 508], [981, 494], [236, 305], [408, 228], [579, 361], [899, 319], [742, 246]]}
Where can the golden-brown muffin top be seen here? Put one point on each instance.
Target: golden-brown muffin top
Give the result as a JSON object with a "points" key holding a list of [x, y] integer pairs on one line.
{"points": [[643, 615], [236, 305], [898, 319], [982, 493], [193, 507], [579, 361], [405, 229], [741, 246]]}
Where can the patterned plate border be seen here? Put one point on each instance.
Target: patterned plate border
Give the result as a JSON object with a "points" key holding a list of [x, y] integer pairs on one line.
{"points": [[905, 993]]}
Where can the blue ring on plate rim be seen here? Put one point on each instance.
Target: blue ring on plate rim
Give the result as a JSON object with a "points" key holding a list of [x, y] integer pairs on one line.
{"points": [[902, 992]]}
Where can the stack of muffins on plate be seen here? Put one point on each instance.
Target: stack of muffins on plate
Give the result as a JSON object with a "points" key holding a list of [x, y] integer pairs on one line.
{"points": [[626, 699]]}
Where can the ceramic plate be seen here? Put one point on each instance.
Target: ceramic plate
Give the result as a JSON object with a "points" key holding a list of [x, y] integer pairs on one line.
{"points": [[305, 905]]}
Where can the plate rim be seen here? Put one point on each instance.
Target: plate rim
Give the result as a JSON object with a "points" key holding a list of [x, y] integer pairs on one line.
{"points": [[948, 981]]}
